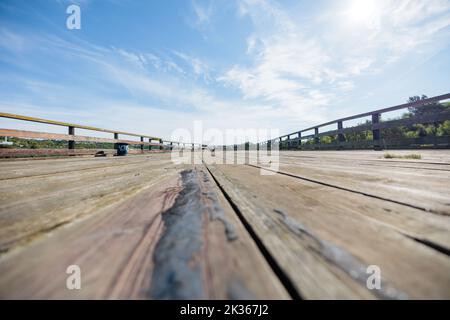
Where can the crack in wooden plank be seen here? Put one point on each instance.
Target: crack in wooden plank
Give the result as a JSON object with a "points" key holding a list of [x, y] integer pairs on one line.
{"points": [[296, 176], [339, 257], [217, 212]]}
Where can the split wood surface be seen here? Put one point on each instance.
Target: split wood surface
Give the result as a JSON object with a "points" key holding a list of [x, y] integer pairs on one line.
{"points": [[144, 227]]}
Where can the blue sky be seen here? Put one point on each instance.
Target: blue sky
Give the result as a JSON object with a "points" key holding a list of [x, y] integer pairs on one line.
{"points": [[155, 66]]}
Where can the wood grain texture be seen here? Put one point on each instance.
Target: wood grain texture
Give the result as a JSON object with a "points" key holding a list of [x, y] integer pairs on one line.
{"points": [[31, 206], [419, 183], [144, 227], [117, 251], [321, 237]]}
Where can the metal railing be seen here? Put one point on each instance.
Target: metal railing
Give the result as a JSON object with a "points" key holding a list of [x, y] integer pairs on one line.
{"points": [[375, 126], [72, 138]]}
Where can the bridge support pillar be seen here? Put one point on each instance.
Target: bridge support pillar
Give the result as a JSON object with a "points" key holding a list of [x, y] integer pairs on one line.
{"points": [[71, 142], [316, 137], [376, 134], [341, 136], [116, 137], [299, 140]]}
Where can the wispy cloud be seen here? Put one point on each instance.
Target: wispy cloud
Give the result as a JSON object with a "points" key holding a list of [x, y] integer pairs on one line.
{"points": [[199, 67], [154, 91], [286, 64], [301, 71], [11, 41], [203, 11], [288, 67]]}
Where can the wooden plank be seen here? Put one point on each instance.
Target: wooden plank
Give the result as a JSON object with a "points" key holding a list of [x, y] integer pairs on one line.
{"points": [[31, 206], [9, 153], [6, 153], [134, 250], [428, 156], [419, 184], [397, 184], [24, 168], [324, 238]]}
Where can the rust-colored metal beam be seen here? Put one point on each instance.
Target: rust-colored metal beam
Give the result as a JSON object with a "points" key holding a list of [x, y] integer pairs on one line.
{"points": [[66, 124]]}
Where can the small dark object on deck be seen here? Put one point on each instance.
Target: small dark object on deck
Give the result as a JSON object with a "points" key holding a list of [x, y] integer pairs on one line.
{"points": [[122, 149], [100, 154]]}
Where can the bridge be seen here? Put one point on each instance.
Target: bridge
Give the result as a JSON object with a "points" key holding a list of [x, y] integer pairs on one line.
{"points": [[317, 225]]}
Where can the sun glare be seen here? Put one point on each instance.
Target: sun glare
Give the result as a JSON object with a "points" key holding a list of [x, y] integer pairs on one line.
{"points": [[362, 10]]}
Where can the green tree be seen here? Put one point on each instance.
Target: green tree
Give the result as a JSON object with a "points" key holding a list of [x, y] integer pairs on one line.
{"points": [[444, 129], [429, 108]]}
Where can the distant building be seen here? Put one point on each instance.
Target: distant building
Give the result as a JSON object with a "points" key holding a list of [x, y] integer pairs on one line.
{"points": [[6, 142]]}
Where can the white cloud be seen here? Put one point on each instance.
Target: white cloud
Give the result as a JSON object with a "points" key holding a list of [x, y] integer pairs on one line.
{"points": [[163, 99], [11, 41], [298, 68], [203, 13], [286, 63], [199, 67], [345, 86], [302, 71], [138, 60]]}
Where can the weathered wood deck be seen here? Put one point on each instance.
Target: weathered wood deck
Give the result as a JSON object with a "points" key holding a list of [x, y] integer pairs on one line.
{"points": [[143, 227]]}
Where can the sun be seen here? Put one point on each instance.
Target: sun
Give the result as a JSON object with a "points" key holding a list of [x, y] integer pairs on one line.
{"points": [[362, 10]]}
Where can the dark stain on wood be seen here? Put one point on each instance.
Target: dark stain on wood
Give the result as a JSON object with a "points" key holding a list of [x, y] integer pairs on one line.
{"points": [[340, 258], [178, 272]]}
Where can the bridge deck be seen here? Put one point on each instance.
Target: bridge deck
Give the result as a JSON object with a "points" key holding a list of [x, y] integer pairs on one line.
{"points": [[143, 227]]}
